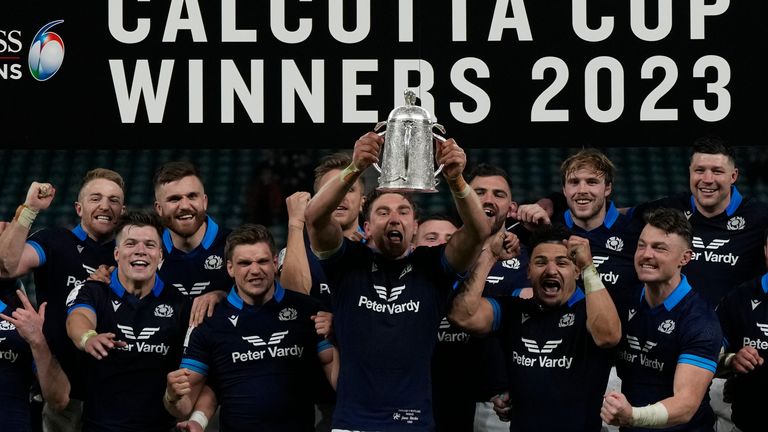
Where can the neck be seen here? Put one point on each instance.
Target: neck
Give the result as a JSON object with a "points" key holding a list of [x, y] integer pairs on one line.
{"points": [[657, 292], [349, 230], [138, 288], [713, 211], [257, 300], [98, 239], [591, 223], [188, 244]]}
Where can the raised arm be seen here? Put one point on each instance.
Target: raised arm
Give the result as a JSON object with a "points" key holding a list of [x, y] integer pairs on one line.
{"points": [[16, 256], [295, 274], [602, 319], [182, 391], [690, 385], [464, 246], [325, 234]]}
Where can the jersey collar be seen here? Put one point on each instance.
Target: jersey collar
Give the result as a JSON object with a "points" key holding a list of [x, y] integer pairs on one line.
{"points": [[734, 204], [119, 289], [577, 296], [764, 283], [211, 230], [610, 216], [3, 306], [678, 293], [237, 302], [79, 232]]}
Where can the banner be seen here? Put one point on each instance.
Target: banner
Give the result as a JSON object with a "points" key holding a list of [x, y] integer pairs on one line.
{"points": [[320, 73]]}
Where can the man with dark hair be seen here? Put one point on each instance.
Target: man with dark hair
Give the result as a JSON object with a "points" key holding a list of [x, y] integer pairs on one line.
{"points": [[193, 242], [434, 230], [62, 259], [260, 347], [671, 337], [389, 299], [744, 318], [299, 268], [133, 329], [556, 343]]}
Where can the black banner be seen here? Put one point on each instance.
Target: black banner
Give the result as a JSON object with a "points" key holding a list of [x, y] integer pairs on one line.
{"points": [[319, 73]]}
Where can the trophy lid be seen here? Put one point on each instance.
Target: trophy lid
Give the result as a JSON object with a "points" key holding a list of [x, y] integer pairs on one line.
{"points": [[410, 111]]}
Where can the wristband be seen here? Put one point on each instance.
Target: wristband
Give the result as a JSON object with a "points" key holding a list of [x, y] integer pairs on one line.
{"points": [[459, 188], [84, 338], [592, 281], [650, 416], [199, 417], [728, 359], [168, 398], [25, 215], [349, 174]]}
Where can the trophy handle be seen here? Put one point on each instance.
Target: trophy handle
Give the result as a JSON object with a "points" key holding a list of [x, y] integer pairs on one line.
{"points": [[442, 140], [378, 126]]}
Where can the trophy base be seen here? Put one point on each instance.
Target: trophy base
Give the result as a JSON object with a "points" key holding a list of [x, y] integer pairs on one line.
{"points": [[406, 189]]}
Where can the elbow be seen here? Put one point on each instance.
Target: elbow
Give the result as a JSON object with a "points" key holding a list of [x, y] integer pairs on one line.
{"points": [[59, 402], [608, 339]]}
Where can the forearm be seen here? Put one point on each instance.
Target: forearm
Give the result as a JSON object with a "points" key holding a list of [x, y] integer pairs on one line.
{"points": [[12, 242], [330, 361], [53, 382], [325, 233], [467, 304], [466, 243], [295, 274], [602, 319], [78, 326]]}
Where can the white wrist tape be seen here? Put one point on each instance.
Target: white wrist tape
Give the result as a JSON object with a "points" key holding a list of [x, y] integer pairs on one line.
{"points": [[650, 416], [25, 215], [592, 281], [200, 418]]}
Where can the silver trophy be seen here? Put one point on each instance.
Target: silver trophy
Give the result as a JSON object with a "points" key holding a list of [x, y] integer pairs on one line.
{"points": [[407, 159]]}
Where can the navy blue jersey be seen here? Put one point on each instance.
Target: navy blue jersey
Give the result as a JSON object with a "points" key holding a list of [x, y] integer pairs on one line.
{"points": [[125, 390], [387, 314], [200, 271], [262, 359], [480, 358], [613, 246], [682, 330], [727, 248], [15, 376], [744, 318], [557, 374], [67, 258]]}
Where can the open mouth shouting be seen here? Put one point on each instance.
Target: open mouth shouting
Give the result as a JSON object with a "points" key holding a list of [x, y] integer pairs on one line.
{"points": [[550, 287], [395, 236]]}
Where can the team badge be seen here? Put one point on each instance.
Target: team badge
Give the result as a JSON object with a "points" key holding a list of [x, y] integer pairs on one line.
{"points": [[164, 311], [614, 244], [736, 223], [287, 314], [213, 262], [667, 327], [5, 325], [567, 320], [513, 264]]}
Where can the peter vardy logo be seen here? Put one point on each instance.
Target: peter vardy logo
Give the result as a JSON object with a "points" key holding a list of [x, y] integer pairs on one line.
{"points": [[46, 53]]}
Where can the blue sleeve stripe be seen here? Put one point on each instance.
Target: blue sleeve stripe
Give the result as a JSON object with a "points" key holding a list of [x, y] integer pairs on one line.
{"points": [[194, 366], [516, 292], [39, 249], [496, 313], [81, 305], [726, 344], [695, 360], [324, 345]]}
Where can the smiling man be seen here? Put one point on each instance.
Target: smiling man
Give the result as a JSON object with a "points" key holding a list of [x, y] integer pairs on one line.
{"points": [[62, 259], [671, 337], [389, 300], [132, 329]]}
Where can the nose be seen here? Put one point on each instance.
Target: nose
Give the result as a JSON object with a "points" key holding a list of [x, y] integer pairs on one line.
{"points": [[644, 251], [551, 268], [582, 186]]}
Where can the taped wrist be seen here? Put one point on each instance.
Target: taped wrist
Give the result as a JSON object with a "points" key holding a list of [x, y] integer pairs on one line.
{"points": [[459, 187], [592, 281], [84, 338], [650, 416], [25, 216], [199, 417], [349, 174]]}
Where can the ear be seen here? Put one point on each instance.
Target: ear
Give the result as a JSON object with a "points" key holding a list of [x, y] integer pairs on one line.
{"points": [[229, 269], [608, 189], [512, 209], [735, 175], [116, 253], [205, 202], [367, 228], [79, 209], [158, 208], [687, 256]]}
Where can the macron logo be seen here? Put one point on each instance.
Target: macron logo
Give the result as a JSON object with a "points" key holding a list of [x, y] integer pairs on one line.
{"points": [[145, 333], [393, 295], [233, 319], [714, 244], [275, 339], [548, 347], [634, 343]]}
